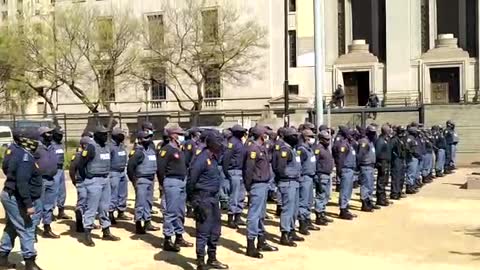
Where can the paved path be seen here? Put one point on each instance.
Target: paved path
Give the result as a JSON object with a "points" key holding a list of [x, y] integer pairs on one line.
{"points": [[438, 228]]}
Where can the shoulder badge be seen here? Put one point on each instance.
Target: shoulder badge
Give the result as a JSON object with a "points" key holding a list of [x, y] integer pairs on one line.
{"points": [[209, 162], [79, 149], [342, 149], [284, 154], [159, 146], [409, 140], [189, 147], [163, 153], [230, 145], [8, 152], [85, 153], [132, 153], [73, 158], [317, 151], [253, 155], [277, 147], [299, 152], [249, 143], [198, 152], [25, 157], [364, 145], [182, 147], [36, 166]]}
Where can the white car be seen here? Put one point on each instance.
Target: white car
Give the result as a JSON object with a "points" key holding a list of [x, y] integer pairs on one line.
{"points": [[6, 136]]}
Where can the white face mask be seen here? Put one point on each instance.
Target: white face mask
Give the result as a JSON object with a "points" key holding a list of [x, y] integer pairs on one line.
{"points": [[181, 139], [244, 140], [311, 141]]}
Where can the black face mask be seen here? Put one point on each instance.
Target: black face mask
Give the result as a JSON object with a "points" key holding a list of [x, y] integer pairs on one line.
{"points": [[372, 136], [118, 138], [292, 140], [238, 135], [46, 139], [100, 138], [57, 137]]}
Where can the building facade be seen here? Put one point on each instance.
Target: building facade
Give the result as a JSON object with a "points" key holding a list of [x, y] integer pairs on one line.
{"points": [[405, 51]]}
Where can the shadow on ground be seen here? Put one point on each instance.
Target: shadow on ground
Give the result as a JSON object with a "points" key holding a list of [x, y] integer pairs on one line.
{"points": [[476, 255]]}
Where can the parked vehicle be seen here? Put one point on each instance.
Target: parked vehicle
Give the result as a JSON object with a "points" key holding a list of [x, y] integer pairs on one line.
{"points": [[6, 137]]}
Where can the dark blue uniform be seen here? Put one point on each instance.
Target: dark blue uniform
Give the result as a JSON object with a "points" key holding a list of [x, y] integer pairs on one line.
{"points": [[383, 149], [309, 161], [8, 156], [59, 177], [346, 163], [233, 170], [399, 155], [48, 163], [323, 181], [440, 147], [366, 160]]}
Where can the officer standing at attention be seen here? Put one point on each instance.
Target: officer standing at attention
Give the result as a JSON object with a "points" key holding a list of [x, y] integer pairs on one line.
{"points": [[47, 160], [171, 174], [94, 167], [141, 169], [225, 187], [440, 146], [366, 160], [346, 162], [256, 177], [279, 143], [233, 169], [323, 179], [61, 192], [452, 140], [383, 149], [191, 145], [16, 134], [399, 156], [202, 190], [118, 179], [309, 162], [77, 181], [413, 155], [288, 172], [21, 201]]}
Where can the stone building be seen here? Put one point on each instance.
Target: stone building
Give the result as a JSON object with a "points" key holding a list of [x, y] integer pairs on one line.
{"points": [[406, 51]]}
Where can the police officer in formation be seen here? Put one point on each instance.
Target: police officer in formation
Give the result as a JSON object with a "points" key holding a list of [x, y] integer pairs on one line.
{"points": [[61, 192], [366, 160], [118, 178], [323, 178], [20, 198]]}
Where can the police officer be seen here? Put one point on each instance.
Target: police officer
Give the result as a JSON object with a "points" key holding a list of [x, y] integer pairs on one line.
{"points": [[17, 133], [346, 163], [440, 146], [309, 161], [279, 143], [171, 174], [256, 177], [413, 155], [191, 145], [94, 166], [383, 149], [366, 160], [47, 160], [61, 192], [225, 187], [452, 140], [21, 201], [202, 190], [77, 181], [233, 170], [118, 178], [141, 169], [288, 173], [399, 155], [428, 157], [323, 179]]}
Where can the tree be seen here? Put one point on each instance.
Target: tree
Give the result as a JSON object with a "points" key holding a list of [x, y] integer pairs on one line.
{"points": [[196, 49]]}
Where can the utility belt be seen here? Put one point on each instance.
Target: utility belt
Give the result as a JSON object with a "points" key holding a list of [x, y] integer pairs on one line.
{"points": [[368, 165], [118, 170], [149, 177], [289, 180], [311, 175], [90, 176], [324, 173], [178, 177]]}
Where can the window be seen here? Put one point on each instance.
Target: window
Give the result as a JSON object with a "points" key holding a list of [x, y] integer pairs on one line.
{"points": [[37, 12], [4, 15], [292, 7], [292, 39], [105, 33], [155, 30], [210, 25], [212, 81], [108, 84], [159, 88], [293, 90]]}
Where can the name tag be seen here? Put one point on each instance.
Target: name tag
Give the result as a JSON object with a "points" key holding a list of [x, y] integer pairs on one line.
{"points": [[297, 159], [373, 150], [59, 151], [152, 157], [353, 152], [313, 159], [122, 154], [105, 156]]}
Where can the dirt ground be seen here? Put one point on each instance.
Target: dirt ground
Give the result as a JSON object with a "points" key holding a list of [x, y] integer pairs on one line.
{"points": [[438, 228]]}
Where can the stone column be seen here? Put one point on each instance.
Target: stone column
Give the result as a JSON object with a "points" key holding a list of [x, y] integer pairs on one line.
{"points": [[462, 24], [375, 42], [348, 24], [432, 5]]}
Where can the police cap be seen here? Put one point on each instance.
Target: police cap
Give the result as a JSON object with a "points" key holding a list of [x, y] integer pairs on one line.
{"points": [[43, 130], [142, 134], [324, 135], [175, 130], [259, 130], [290, 132], [147, 125], [85, 140], [117, 131], [238, 128], [307, 133]]}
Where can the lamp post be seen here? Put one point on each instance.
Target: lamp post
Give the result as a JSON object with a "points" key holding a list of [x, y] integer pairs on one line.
{"points": [[286, 97], [319, 13], [146, 87]]}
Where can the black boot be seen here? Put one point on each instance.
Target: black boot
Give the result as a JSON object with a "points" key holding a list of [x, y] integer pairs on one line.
{"points": [[262, 245], [373, 206], [252, 251], [239, 221], [190, 213], [345, 214], [231, 222], [303, 227], [224, 205], [108, 236], [181, 242], [4, 263], [286, 241], [149, 227], [62, 215], [121, 216], [48, 233], [168, 245], [139, 229], [213, 263], [439, 174], [88, 238], [311, 227], [30, 264], [366, 206], [278, 212], [395, 196], [294, 236], [382, 201], [201, 263], [112, 218], [320, 219], [79, 222], [411, 190]]}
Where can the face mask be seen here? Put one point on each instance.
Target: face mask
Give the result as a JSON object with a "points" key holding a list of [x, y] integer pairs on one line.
{"points": [[244, 140], [181, 139], [266, 138], [101, 138], [119, 138], [57, 137], [292, 140], [47, 137], [311, 141]]}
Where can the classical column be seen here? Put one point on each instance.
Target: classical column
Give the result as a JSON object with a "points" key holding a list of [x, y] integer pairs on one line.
{"points": [[348, 24], [462, 24], [375, 34], [432, 5]]}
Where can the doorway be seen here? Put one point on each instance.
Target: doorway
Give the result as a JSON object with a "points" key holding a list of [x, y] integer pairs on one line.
{"points": [[357, 88], [445, 85]]}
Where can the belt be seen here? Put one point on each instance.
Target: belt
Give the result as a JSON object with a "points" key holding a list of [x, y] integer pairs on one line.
{"points": [[324, 173], [118, 170], [98, 175], [367, 165], [48, 177], [149, 177], [178, 177], [311, 175]]}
